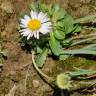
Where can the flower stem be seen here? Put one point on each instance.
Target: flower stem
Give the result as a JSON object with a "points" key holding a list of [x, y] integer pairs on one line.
{"points": [[38, 70]]}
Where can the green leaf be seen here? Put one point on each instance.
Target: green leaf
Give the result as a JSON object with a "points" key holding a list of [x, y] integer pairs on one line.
{"points": [[54, 45], [55, 7], [63, 57], [60, 35], [67, 42], [77, 28], [68, 24], [82, 72], [60, 24], [43, 7], [33, 6], [39, 50], [91, 49], [41, 58], [22, 14], [78, 69], [58, 14]]}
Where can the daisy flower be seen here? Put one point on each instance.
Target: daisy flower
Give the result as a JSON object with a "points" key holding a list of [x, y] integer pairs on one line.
{"points": [[35, 24]]}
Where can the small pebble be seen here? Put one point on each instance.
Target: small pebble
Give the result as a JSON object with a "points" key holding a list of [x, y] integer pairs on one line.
{"points": [[36, 83], [46, 88]]}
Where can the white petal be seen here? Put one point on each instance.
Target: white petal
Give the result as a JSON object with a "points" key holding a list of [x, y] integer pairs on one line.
{"points": [[24, 22], [47, 24], [31, 34], [45, 29], [34, 33], [23, 26], [45, 20], [25, 32], [42, 17], [28, 37], [27, 18], [33, 15], [37, 35]]}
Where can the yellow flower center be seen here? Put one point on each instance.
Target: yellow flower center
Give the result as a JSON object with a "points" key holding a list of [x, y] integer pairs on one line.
{"points": [[34, 24]]}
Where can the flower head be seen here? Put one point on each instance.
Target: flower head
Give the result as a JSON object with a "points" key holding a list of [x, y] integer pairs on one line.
{"points": [[35, 24], [63, 81]]}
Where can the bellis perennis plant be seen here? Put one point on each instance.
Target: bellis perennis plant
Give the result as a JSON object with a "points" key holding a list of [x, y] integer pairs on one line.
{"points": [[48, 30]]}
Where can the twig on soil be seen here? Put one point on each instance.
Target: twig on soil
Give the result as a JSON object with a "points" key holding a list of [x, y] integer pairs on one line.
{"points": [[12, 91], [27, 74]]}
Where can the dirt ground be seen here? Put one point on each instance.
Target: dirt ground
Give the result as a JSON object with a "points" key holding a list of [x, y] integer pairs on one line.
{"points": [[16, 64]]}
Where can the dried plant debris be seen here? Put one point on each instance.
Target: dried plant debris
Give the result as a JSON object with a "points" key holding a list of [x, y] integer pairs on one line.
{"points": [[12, 91]]}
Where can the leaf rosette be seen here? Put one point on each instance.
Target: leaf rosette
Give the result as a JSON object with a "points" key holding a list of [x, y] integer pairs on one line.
{"points": [[58, 40]]}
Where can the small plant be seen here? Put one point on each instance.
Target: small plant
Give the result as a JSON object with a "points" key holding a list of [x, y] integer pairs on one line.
{"points": [[49, 30]]}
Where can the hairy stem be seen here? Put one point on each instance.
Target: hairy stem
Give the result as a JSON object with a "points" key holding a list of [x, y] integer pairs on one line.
{"points": [[38, 70]]}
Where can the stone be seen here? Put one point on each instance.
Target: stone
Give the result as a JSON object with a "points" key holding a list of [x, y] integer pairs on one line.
{"points": [[36, 83]]}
